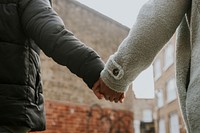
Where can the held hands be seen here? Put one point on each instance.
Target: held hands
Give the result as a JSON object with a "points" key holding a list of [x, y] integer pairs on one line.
{"points": [[102, 91]]}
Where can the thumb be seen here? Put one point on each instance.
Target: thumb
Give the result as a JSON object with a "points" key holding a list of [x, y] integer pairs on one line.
{"points": [[96, 85], [96, 91], [122, 98]]}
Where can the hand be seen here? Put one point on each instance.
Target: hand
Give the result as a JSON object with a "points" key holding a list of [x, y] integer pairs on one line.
{"points": [[110, 94], [101, 90]]}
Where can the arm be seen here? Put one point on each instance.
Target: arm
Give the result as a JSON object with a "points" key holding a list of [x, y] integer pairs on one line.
{"points": [[155, 25], [42, 24]]}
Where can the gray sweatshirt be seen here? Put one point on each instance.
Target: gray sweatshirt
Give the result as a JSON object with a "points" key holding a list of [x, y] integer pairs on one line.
{"points": [[156, 23]]}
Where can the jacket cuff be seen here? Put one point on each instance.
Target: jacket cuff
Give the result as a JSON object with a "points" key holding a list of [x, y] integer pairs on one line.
{"points": [[113, 76], [93, 74]]}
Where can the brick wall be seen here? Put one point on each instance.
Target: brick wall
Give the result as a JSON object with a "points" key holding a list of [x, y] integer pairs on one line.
{"points": [[70, 118]]}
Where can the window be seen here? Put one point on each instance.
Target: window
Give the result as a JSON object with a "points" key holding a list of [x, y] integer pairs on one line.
{"points": [[161, 127], [174, 123], [137, 126], [157, 69], [171, 90], [147, 115], [168, 56], [160, 101]]}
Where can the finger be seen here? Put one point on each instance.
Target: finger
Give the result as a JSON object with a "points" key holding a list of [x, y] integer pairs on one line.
{"points": [[112, 98], [122, 98], [116, 100], [98, 95], [119, 97], [107, 97]]}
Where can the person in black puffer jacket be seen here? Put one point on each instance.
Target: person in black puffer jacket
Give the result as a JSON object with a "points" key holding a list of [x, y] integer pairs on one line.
{"points": [[26, 26]]}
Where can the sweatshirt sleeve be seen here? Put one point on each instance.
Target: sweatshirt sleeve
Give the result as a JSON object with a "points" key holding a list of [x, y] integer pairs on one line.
{"points": [[42, 24], [156, 23]]}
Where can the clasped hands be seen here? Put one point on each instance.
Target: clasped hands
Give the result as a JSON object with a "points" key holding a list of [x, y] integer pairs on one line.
{"points": [[101, 90]]}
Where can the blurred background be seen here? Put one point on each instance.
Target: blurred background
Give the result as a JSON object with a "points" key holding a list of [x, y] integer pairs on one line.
{"points": [[151, 104]]}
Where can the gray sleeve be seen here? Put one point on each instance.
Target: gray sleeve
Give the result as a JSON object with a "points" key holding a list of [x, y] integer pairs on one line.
{"points": [[156, 23]]}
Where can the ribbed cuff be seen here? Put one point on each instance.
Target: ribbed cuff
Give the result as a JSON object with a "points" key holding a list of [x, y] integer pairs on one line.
{"points": [[113, 76]]}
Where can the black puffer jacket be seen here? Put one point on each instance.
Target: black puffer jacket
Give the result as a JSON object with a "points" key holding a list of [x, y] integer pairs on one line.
{"points": [[23, 24]]}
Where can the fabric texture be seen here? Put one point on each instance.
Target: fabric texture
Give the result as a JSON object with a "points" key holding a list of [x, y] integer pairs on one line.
{"points": [[26, 27], [156, 23], [4, 129]]}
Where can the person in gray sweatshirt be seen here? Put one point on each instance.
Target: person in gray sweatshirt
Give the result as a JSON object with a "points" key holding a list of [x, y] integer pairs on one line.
{"points": [[157, 21]]}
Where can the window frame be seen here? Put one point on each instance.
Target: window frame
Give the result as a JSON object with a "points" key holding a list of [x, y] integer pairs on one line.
{"points": [[171, 89], [160, 98], [163, 126], [168, 56], [174, 126], [157, 69]]}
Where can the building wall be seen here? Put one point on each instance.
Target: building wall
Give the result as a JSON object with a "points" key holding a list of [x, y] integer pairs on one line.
{"points": [[95, 30], [139, 107], [168, 108], [71, 118]]}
